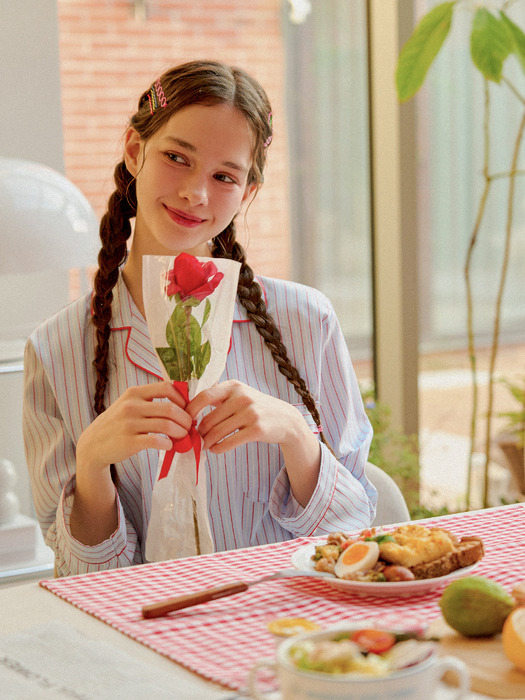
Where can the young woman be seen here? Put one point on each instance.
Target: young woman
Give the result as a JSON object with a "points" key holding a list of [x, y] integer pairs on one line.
{"points": [[93, 423]]}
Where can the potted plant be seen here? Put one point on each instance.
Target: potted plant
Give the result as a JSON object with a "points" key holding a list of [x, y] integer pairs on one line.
{"points": [[396, 454], [512, 439], [492, 39]]}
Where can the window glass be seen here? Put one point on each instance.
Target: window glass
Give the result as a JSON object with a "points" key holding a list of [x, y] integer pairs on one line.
{"points": [[330, 202], [327, 92], [450, 146], [450, 150]]}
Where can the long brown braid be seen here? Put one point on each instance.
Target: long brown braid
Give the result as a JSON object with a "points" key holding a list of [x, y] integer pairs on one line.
{"points": [[251, 298], [115, 229], [197, 82]]}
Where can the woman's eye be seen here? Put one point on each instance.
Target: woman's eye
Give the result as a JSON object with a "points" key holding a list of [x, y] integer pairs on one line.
{"points": [[176, 158], [222, 177]]}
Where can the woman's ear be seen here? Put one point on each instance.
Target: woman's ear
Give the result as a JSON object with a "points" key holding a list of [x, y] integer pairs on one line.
{"points": [[132, 151]]}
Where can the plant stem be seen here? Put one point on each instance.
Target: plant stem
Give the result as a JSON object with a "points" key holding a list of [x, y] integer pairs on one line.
{"points": [[470, 305], [196, 526], [499, 302], [187, 311], [500, 176], [176, 347], [513, 89]]}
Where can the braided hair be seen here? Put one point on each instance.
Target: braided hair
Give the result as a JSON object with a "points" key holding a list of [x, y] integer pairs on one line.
{"points": [[196, 82], [251, 298]]}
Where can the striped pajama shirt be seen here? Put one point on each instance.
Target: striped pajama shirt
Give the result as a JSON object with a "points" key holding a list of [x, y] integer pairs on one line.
{"points": [[249, 497]]}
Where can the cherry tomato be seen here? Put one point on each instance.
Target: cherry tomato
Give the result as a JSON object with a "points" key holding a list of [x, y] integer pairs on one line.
{"points": [[374, 641], [347, 544]]}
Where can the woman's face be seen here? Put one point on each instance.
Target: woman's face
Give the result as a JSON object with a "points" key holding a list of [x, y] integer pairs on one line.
{"points": [[191, 178]]}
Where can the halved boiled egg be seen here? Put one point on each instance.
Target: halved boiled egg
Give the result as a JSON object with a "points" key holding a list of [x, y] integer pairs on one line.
{"points": [[360, 556]]}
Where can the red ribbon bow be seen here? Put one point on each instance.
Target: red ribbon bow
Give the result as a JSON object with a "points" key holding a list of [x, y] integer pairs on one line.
{"points": [[185, 444]]}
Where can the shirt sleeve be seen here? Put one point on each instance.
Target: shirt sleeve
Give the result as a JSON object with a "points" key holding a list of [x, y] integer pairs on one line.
{"points": [[50, 455], [344, 499]]}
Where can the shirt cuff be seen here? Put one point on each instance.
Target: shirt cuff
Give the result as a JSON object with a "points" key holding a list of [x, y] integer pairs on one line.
{"points": [[289, 512], [339, 501], [80, 558]]}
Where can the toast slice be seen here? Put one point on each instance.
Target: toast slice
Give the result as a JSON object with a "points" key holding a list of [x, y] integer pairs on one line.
{"points": [[468, 551]]}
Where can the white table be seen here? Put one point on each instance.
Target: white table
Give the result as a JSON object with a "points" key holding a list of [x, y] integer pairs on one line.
{"points": [[26, 607]]}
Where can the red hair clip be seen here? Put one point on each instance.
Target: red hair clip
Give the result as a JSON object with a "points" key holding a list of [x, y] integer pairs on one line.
{"points": [[156, 96]]}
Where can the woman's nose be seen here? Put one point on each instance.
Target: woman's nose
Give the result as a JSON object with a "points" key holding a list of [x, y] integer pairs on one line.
{"points": [[194, 189]]}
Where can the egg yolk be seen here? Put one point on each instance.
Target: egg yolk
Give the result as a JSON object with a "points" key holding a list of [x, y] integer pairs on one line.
{"points": [[355, 553]]}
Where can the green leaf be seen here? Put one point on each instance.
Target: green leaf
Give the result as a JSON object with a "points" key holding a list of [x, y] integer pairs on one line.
{"points": [[176, 327], [380, 539], [195, 336], [176, 364], [518, 39], [490, 44], [202, 359], [419, 52], [517, 391], [177, 330], [207, 309], [191, 301]]}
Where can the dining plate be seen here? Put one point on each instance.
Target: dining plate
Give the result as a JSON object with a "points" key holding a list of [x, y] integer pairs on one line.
{"points": [[302, 560]]}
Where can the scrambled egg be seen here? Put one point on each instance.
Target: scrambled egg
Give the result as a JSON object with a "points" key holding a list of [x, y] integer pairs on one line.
{"points": [[416, 544]]}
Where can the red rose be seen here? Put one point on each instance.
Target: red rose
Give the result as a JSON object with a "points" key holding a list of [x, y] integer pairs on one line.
{"points": [[190, 278]]}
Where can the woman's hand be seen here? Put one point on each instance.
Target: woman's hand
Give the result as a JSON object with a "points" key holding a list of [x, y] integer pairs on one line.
{"points": [[134, 422], [242, 414]]}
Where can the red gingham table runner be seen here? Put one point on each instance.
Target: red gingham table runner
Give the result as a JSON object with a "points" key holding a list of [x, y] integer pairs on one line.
{"points": [[222, 639]]}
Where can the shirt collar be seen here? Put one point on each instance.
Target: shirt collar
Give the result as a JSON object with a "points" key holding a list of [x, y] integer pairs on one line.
{"points": [[127, 318]]}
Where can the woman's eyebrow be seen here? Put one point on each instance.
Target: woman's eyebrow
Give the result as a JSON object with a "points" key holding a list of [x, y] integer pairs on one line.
{"points": [[193, 149], [182, 143]]}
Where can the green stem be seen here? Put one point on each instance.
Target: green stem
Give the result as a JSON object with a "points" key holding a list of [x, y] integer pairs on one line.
{"points": [[470, 305], [500, 176], [196, 527], [513, 89], [187, 310], [499, 303], [176, 347]]}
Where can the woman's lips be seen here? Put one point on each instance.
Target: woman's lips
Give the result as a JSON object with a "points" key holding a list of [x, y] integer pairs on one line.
{"points": [[182, 218]]}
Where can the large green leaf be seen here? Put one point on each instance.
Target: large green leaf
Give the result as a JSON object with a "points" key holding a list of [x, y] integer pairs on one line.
{"points": [[178, 327], [419, 52], [202, 359], [195, 335], [207, 309], [490, 44], [177, 365], [518, 39]]}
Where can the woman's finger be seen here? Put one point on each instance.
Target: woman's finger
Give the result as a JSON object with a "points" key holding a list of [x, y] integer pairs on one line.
{"points": [[211, 435], [168, 411], [158, 390], [214, 396]]}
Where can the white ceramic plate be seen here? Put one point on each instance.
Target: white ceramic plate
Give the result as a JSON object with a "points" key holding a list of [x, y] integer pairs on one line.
{"points": [[302, 560]]}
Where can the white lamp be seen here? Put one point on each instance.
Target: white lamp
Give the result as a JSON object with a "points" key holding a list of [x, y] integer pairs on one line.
{"points": [[47, 227], [46, 223]]}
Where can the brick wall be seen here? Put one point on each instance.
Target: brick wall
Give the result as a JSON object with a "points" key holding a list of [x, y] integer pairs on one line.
{"points": [[109, 57]]}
